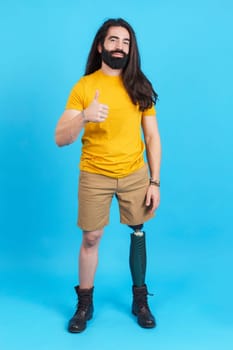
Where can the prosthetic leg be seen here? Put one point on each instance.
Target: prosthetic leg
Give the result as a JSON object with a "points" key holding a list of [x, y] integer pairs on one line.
{"points": [[137, 262]]}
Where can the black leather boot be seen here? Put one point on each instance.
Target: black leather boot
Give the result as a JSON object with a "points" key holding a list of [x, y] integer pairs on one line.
{"points": [[84, 310], [141, 309]]}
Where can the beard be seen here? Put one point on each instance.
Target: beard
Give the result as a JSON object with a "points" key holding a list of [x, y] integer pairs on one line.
{"points": [[114, 62]]}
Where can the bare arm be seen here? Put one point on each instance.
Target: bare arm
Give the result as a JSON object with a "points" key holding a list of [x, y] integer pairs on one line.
{"points": [[68, 127], [153, 153], [153, 145], [72, 121]]}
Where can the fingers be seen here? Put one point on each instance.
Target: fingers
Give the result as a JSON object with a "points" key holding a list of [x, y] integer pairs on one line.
{"points": [[101, 117], [152, 206], [96, 97], [152, 201], [102, 108], [96, 111], [148, 200]]}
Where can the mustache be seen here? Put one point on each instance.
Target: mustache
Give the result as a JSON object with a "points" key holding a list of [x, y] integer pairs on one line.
{"points": [[118, 51]]}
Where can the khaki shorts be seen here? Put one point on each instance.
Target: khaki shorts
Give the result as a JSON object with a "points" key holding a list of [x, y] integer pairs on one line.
{"points": [[96, 192]]}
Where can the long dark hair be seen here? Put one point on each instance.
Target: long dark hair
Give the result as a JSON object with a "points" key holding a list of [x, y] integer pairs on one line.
{"points": [[136, 83]]}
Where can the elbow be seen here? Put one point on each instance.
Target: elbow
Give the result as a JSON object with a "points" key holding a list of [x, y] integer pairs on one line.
{"points": [[58, 140], [59, 144]]}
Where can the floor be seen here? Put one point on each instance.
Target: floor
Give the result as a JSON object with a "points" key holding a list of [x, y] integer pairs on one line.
{"points": [[189, 276]]}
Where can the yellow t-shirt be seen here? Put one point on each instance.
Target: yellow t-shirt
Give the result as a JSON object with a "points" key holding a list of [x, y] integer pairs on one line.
{"points": [[114, 147]]}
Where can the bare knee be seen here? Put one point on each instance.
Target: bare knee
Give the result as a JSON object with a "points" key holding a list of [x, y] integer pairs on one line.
{"points": [[91, 238]]}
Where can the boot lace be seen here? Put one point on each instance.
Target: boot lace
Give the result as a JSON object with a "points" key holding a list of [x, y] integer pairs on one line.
{"points": [[83, 305], [142, 302]]}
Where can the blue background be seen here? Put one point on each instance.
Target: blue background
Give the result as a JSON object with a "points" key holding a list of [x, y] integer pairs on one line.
{"points": [[187, 53]]}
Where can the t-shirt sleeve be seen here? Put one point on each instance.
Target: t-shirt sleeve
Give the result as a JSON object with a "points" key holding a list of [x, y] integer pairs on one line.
{"points": [[149, 112], [76, 97]]}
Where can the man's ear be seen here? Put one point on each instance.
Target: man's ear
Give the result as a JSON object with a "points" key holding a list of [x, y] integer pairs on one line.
{"points": [[99, 48]]}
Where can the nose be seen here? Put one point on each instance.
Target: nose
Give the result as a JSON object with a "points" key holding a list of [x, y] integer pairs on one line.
{"points": [[119, 45]]}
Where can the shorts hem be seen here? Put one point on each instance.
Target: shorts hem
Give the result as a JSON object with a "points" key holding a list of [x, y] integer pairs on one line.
{"points": [[132, 223], [90, 229]]}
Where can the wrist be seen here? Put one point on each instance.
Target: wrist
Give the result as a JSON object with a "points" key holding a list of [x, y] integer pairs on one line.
{"points": [[154, 182], [84, 117]]}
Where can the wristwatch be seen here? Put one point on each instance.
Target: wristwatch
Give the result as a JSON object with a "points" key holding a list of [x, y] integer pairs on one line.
{"points": [[155, 182]]}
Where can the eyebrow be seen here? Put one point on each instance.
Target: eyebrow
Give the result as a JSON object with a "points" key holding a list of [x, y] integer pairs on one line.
{"points": [[117, 37]]}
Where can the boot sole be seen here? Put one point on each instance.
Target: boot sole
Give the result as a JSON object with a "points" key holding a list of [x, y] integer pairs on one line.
{"points": [[146, 326], [74, 330]]}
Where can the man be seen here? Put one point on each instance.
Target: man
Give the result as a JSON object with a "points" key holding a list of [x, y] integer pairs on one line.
{"points": [[113, 102]]}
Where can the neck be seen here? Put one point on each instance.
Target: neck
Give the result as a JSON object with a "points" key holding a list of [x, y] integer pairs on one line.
{"points": [[109, 71]]}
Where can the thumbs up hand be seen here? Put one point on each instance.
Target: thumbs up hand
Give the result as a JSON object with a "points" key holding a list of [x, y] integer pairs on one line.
{"points": [[96, 112]]}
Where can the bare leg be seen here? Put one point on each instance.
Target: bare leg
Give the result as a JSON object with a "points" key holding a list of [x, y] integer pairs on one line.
{"points": [[88, 258]]}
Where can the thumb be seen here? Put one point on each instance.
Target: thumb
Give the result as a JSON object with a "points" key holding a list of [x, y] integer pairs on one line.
{"points": [[148, 200], [97, 93]]}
